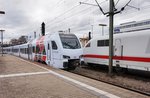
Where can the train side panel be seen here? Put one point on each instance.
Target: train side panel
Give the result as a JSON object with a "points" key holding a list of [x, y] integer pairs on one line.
{"points": [[131, 50]]}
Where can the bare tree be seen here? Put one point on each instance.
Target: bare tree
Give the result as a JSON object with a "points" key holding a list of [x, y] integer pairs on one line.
{"points": [[22, 40], [14, 41]]}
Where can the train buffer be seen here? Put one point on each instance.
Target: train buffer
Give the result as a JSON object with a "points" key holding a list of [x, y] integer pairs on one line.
{"points": [[20, 78]]}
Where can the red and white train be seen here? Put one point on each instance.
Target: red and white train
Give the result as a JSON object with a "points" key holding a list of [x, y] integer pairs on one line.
{"points": [[131, 50], [58, 50]]}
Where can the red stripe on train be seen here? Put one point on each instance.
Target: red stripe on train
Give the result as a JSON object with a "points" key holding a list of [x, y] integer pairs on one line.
{"points": [[140, 59]]}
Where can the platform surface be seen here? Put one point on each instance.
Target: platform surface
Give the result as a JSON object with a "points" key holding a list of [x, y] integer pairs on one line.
{"points": [[23, 79]]}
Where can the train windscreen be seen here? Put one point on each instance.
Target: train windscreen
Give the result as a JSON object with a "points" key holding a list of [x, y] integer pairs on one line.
{"points": [[69, 41]]}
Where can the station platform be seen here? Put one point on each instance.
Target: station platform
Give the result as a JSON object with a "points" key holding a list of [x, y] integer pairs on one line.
{"points": [[21, 78]]}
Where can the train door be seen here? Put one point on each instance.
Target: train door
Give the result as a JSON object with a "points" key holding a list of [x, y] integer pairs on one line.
{"points": [[118, 53], [55, 54], [19, 51], [49, 52], [30, 52], [118, 48]]}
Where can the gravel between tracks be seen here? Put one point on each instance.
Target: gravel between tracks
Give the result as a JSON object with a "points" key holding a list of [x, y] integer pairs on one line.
{"points": [[125, 81]]}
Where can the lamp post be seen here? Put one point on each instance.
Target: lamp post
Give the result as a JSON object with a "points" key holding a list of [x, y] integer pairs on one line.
{"points": [[102, 28], [2, 40], [2, 12], [69, 30]]}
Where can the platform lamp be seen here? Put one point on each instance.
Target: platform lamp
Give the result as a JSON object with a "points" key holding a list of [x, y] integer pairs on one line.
{"points": [[2, 12], [103, 25], [2, 40]]}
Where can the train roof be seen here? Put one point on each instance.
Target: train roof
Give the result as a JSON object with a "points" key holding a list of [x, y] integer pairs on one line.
{"points": [[46, 37], [132, 22], [134, 33]]}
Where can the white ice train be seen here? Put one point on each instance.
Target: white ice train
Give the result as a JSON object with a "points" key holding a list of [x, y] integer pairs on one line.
{"points": [[131, 50], [58, 50]]}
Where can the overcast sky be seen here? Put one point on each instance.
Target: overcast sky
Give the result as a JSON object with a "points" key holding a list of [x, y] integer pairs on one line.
{"points": [[23, 17]]}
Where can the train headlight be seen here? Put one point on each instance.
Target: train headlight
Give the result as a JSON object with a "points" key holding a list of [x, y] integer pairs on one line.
{"points": [[66, 57]]}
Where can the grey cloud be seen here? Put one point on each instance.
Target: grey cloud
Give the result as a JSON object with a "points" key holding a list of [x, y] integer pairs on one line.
{"points": [[24, 16], [15, 18]]}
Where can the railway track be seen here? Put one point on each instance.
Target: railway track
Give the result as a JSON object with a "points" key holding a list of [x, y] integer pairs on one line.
{"points": [[132, 83]]}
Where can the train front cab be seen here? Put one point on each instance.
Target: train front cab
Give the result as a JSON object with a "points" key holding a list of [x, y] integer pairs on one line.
{"points": [[72, 50], [63, 51]]}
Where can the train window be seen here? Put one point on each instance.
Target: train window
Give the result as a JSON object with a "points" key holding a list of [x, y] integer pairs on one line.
{"points": [[69, 41], [48, 47], [102, 43], [106, 42], [88, 45], [29, 50], [54, 46], [26, 50], [22, 50], [33, 49], [15, 50]]}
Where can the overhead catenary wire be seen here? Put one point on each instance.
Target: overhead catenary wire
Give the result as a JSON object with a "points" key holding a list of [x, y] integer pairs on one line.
{"points": [[64, 13], [124, 6], [38, 28], [74, 7], [56, 5], [83, 27], [100, 7], [35, 28], [75, 14], [66, 18], [69, 16], [117, 2], [74, 25], [79, 12], [135, 12]]}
